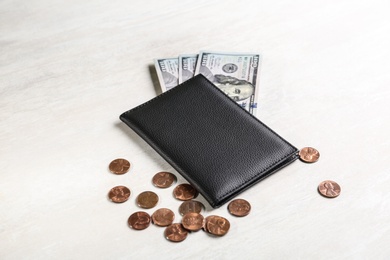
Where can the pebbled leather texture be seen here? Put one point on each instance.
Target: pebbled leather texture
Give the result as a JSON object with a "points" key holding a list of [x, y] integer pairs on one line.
{"points": [[216, 145]]}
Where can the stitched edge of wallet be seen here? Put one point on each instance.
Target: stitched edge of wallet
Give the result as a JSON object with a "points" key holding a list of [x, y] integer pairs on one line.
{"points": [[228, 193]]}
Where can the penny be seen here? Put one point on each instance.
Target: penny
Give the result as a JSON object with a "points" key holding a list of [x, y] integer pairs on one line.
{"points": [[239, 207], [163, 217], [147, 199], [190, 206], [309, 155], [119, 194], [119, 166], [329, 189], [163, 179], [175, 232], [192, 221], [139, 220], [216, 225], [185, 192]]}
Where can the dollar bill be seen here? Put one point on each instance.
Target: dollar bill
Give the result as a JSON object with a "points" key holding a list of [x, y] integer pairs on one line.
{"points": [[167, 72], [187, 65], [236, 74]]}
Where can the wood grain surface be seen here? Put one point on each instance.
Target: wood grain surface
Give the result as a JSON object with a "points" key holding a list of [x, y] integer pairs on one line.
{"points": [[68, 69]]}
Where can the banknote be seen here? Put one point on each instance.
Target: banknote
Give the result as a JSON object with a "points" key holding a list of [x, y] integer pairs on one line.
{"points": [[187, 63], [167, 72], [236, 74]]}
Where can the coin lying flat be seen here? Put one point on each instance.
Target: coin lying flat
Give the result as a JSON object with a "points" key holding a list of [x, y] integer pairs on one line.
{"points": [[192, 221], [216, 225], [175, 233], [309, 155], [163, 217], [185, 192], [163, 179], [119, 194], [147, 199], [239, 207], [139, 220], [190, 206], [119, 166], [329, 189]]}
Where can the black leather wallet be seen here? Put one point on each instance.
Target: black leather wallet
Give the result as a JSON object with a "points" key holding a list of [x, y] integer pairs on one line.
{"points": [[216, 145]]}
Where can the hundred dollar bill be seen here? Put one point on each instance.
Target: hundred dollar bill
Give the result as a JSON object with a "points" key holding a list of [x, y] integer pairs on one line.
{"points": [[236, 74], [167, 72], [187, 65]]}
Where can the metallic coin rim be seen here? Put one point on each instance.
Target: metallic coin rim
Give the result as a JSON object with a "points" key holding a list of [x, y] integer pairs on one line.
{"points": [[139, 205], [182, 184], [164, 187], [143, 212], [119, 173], [202, 207], [333, 183], [206, 221], [118, 187], [238, 215], [301, 157], [178, 224], [156, 223], [192, 229]]}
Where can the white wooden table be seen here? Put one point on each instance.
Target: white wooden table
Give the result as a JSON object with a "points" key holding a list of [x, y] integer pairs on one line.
{"points": [[68, 69]]}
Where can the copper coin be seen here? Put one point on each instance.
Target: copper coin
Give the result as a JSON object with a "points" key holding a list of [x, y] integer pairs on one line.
{"points": [[329, 189], [185, 192], [139, 220], [119, 194], [239, 207], [192, 221], [190, 206], [147, 199], [163, 179], [216, 225], [309, 154], [163, 217], [119, 166], [175, 233]]}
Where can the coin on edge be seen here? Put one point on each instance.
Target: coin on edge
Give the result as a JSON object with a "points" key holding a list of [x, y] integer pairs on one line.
{"points": [[185, 192], [190, 206], [175, 232], [216, 225], [329, 189], [119, 194], [139, 220], [239, 207], [163, 217], [163, 179], [147, 199], [119, 166], [192, 221], [309, 155]]}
